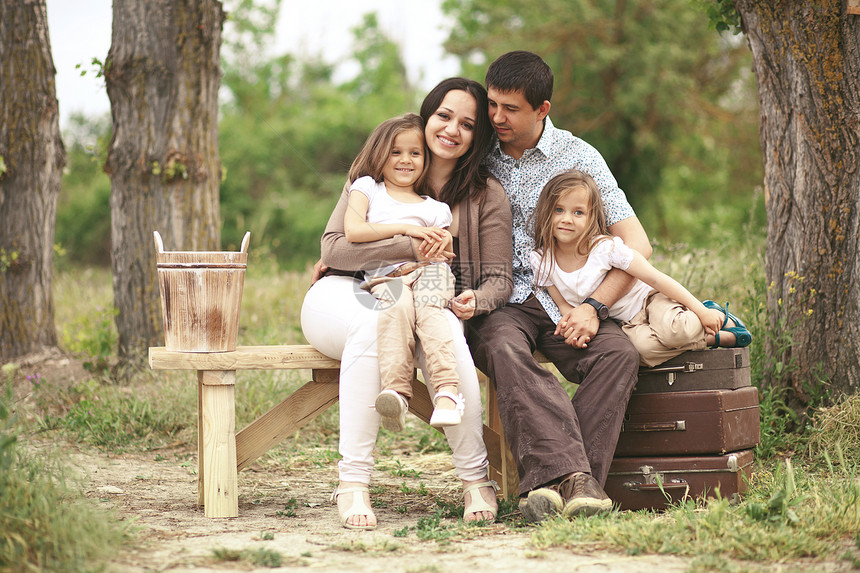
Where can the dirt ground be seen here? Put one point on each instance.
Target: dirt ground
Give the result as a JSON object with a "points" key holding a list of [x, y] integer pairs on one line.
{"points": [[286, 511], [160, 498]]}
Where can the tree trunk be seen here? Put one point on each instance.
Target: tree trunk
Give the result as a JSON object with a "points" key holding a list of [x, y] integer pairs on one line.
{"points": [[162, 74], [807, 65], [31, 163]]}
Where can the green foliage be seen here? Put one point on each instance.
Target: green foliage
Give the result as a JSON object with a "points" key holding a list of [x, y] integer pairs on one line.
{"points": [[8, 259], [289, 133], [83, 209], [722, 14], [92, 335], [677, 126], [260, 556], [105, 417], [44, 524], [98, 68]]}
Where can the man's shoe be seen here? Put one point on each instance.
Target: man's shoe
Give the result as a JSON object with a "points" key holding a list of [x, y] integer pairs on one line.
{"points": [[542, 503], [583, 496]]}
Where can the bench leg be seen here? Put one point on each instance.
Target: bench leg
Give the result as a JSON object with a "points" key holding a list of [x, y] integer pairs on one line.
{"points": [[503, 467], [201, 455], [218, 407]]}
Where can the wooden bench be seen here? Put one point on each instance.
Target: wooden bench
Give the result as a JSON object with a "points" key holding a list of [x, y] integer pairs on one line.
{"points": [[222, 452]]}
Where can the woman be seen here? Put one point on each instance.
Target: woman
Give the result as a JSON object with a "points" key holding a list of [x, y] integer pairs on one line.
{"points": [[339, 318]]}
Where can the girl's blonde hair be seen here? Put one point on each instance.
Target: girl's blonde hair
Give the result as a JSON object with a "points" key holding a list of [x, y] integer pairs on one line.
{"points": [[556, 188], [370, 161]]}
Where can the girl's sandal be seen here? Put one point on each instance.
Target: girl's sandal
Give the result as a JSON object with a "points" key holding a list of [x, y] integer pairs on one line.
{"points": [[742, 334], [358, 506], [478, 504], [444, 417]]}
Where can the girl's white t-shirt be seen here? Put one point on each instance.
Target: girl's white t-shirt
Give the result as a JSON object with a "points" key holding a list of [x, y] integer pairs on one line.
{"points": [[578, 285], [382, 208]]}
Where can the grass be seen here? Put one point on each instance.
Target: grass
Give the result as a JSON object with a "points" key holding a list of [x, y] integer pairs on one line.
{"points": [[790, 513], [45, 522], [802, 502]]}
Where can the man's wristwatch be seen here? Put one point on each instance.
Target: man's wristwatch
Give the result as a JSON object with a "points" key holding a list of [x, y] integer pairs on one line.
{"points": [[602, 309]]}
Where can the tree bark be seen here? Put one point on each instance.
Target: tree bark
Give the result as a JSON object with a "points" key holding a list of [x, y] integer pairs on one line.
{"points": [[807, 65], [30, 172], [162, 75]]}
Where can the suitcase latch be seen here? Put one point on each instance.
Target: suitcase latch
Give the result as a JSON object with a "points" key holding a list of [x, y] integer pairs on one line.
{"points": [[652, 480], [671, 371]]}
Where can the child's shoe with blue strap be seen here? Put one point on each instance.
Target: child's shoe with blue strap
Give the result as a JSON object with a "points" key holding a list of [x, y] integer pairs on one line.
{"points": [[740, 331]]}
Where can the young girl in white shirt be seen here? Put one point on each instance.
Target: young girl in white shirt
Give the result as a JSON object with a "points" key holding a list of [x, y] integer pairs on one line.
{"points": [[574, 251], [388, 196]]}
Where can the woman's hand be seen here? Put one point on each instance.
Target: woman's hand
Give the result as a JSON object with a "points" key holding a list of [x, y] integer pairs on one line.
{"points": [[463, 305], [319, 269]]}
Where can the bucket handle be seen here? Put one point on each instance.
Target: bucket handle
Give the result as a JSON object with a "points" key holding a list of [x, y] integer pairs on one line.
{"points": [[159, 245]]}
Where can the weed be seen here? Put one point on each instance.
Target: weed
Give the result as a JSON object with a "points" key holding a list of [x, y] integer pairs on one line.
{"points": [[260, 556], [264, 557], [116, 423], [431, 529], [289, 508], [400, 471]]}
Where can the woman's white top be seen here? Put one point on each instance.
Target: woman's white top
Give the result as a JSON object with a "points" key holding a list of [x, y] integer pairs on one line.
{"points": [[580, 284], [382, 208]]}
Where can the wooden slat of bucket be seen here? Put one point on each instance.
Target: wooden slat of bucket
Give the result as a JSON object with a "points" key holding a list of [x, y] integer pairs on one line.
{"points": [[201, 308]]}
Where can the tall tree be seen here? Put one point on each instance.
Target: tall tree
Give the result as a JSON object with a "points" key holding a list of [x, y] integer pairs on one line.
{"points": [[162, 74], [31, 163], [807, 65]]}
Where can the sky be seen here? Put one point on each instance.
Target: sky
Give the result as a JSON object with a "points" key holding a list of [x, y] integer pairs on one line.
{"points": [[81, 30]]}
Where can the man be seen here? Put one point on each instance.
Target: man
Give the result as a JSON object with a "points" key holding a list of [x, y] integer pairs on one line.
{"points": [[563, 448]]}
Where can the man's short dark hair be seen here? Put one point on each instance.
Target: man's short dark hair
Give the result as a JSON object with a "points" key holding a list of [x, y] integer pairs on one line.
{"points": [[521, 71]]}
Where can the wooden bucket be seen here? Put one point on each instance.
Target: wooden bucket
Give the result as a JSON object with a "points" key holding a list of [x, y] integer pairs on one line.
{"points": [[201, 296]]}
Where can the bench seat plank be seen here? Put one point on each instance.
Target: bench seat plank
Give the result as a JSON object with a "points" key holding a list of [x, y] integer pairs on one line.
{"points": [[294, 356]]}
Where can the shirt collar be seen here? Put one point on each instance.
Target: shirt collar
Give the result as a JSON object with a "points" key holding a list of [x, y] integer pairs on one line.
{"points": [[544, 144]]}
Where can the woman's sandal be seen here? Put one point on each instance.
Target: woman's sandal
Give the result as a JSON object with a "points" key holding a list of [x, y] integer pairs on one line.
{"points": [[358, 506], [742, 334], [444, 417], [478, 503]]}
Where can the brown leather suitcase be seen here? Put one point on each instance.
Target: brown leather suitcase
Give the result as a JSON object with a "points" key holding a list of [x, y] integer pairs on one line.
{"points": [[635, 483], [683, 423], [712, 369]]}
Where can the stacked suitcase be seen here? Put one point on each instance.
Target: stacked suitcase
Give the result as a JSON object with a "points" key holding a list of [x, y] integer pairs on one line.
{"points": [[689, 431]]}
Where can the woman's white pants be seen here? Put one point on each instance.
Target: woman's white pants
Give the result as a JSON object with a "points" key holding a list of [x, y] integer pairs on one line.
{"points": [[339, 320]]}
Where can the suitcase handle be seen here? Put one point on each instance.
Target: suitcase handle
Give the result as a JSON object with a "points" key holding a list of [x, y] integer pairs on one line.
{"points": [[674, 484], [678, 426], [685, 367]]}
